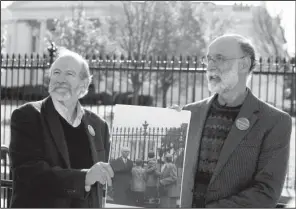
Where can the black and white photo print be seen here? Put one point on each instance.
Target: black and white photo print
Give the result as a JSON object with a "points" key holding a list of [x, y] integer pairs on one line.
{"points": [[147, 151]]}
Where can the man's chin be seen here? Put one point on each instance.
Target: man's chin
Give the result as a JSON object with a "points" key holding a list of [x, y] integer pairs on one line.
{"points": [[61, 98], [215, 89]]}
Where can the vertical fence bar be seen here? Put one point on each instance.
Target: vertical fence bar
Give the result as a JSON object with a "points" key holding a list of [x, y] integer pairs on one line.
{"points": [[202, 80], [194, 79], [157, 73], [187, 79], [180, 70], [97, 69], [44, 65], [284, 80], [12, 86], [6, 93], [293, 87], [26, 59], [260, 73], [122, 60], [150, 76], [164, 82], [173, 81], [31, 74], [18, 81], [132, 142], [141, 97], [114, 61], [269, 64], [105, 64], [128, 74], [37, 76], [277, 63]]}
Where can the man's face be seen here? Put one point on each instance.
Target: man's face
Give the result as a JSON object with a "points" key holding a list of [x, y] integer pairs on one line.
{"points": [[65, 81], [125, 154], [222, 73]]}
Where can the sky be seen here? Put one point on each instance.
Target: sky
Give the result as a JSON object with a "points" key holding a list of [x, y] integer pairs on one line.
{"points": [[287, 8]]}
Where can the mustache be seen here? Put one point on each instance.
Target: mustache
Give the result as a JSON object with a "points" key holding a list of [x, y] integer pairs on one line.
{"points": [[54, 86], [212, 73]]}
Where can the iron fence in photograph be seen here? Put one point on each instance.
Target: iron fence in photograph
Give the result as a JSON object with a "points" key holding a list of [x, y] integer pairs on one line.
{"points": [[142, 140]]}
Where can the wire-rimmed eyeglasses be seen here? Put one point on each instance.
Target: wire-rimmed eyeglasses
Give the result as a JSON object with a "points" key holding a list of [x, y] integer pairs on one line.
{"points": [[219, 59]]}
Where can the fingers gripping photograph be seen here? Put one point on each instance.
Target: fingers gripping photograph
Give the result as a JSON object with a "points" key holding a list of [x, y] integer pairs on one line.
{"points": [[147, 152], [152, 104]]}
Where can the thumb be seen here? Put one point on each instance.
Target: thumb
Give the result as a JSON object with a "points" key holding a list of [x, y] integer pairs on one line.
{"points": [[175, 107], [87, 188]]}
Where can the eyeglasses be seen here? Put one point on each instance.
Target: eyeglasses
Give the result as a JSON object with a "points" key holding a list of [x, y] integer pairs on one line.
{"points": [[219, 59]]}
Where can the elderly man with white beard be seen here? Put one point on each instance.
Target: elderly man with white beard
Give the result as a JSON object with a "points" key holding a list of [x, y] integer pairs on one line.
{"points": [[237, 149], [58, 149]]}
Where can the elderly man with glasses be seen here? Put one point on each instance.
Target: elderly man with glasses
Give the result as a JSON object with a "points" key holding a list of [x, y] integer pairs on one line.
{"points": [[238, 146], [58, 149]]}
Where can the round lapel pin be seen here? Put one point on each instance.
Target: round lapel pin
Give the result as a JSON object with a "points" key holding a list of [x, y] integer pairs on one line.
{"points": [[242, 124], [91, 130]]}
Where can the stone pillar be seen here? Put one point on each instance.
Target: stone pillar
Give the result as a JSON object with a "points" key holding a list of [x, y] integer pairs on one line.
{"points": [[13, 38], [42, 33]]}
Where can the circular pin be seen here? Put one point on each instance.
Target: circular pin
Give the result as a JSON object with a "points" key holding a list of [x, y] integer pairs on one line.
{"points": [[91, 130], [242, 124]]}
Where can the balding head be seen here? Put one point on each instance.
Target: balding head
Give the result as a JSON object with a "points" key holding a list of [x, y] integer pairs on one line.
{"points": [[230, 59], [71, 60], [234, 45]]}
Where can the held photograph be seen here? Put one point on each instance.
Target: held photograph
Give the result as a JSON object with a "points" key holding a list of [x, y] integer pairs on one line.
{"points": [[147, 153]]}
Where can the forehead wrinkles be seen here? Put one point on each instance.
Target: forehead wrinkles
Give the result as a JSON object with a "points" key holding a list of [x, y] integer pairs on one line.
{"points": [[67, 63]]}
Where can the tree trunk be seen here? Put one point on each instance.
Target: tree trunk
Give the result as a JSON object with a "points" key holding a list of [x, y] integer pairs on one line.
{"points": [[165, 89], [135, 96]]}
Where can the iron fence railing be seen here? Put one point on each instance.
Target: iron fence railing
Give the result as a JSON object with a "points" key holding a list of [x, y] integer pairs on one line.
{"points": [[148, 81]]}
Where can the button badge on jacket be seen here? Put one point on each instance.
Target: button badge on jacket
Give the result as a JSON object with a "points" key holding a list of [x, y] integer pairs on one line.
{"points": [[91, 130], [242, 124]]}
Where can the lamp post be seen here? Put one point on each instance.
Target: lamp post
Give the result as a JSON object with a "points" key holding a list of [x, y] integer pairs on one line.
{"points": [[145, 125]]}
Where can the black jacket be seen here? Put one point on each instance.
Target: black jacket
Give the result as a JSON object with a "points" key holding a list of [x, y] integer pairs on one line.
{"points": [[42, 176]]}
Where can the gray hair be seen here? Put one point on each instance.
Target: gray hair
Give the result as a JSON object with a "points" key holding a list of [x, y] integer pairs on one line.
{"points": [[84, 72], [246, 46], [125, 149]]}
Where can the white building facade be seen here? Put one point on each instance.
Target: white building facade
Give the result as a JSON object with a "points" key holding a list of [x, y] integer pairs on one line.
{"points": [[27, 22]]}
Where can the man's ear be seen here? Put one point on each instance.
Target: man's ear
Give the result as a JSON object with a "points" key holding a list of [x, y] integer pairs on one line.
{"points": [[84, 84], [245, 64]]}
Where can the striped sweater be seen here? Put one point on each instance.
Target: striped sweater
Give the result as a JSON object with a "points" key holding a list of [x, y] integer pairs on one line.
{"points": [[216, 128]]}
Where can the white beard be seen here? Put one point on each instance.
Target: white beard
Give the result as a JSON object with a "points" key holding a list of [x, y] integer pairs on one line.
{"points": [[227, 82], [59, 94]]}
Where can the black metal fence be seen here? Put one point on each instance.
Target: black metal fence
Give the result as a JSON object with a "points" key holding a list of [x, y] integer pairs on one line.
{"points": [[142, 140], [148, 81], [6, 184]]}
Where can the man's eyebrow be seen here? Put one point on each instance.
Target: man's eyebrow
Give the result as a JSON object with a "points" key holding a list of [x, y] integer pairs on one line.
{"points": [[55, 69], [216, 55], [72, 71]]}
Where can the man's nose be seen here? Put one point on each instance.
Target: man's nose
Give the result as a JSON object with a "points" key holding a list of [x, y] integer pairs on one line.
{"points": [[61, 78], [211, 67]]}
